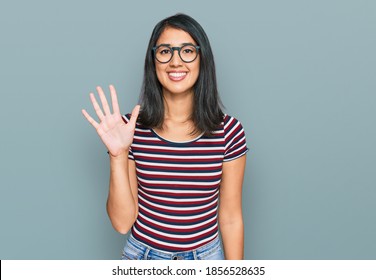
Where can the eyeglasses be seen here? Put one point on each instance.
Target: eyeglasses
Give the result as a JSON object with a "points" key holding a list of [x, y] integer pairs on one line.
{"points": [[187, 53]]}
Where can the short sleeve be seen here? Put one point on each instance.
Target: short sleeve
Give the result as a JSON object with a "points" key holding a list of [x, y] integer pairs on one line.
{"points": [[126, 119], [235, 141]]}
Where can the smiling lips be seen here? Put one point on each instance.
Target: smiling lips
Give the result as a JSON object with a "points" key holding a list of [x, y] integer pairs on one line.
{"points": [[177, 76]]}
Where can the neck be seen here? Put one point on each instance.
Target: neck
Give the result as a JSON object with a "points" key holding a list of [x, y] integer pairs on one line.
{"points": [[178, 107]]}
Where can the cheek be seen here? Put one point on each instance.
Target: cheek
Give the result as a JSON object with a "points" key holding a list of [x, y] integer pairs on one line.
{"points": [[196, 71], [159, 71]]}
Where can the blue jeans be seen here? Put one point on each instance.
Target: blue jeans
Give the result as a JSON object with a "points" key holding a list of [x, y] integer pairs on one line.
{"points": [[135, 250]]}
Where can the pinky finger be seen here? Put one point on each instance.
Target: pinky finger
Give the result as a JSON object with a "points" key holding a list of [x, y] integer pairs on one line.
{"points": [[90, 119]]}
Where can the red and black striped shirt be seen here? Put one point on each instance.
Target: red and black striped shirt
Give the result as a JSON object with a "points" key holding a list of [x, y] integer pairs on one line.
{"points": [[178, 185]]}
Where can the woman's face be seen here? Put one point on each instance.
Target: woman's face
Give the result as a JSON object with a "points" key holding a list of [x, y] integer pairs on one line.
{"points": [[177, 76]]}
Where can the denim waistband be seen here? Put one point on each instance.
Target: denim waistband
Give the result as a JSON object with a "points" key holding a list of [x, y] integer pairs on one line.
{"points": [[198, 253]]}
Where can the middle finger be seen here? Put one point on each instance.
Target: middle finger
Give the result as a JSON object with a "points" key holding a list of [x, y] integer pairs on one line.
{"points": [[106, 108]]}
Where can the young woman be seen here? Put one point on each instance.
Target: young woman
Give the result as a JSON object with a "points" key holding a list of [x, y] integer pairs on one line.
{"points": [[177, 165]]}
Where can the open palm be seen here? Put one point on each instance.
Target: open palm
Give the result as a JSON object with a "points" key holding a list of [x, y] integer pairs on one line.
{"points": [[114, 132]]}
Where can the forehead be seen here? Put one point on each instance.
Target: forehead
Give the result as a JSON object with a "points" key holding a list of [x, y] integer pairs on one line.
{"points": [[175, 37]]}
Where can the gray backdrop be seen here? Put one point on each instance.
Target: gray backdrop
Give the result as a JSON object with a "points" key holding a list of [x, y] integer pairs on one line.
{"points": [[300, 75]]}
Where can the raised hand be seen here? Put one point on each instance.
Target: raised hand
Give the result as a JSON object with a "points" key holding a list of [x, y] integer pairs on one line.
{"points": [[114, 132]]}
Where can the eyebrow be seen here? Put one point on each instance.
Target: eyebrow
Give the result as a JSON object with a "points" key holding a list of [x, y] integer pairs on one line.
{"points": [[169, 45]]}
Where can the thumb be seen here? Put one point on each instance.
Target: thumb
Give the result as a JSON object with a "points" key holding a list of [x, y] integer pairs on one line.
{"points": [[134, 115]]}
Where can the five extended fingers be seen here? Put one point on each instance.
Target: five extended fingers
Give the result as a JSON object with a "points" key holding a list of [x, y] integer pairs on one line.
{"points": [[106, 108]]}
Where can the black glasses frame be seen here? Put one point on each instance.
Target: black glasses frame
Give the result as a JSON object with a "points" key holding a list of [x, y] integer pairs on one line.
{"points": [[173, 49]]}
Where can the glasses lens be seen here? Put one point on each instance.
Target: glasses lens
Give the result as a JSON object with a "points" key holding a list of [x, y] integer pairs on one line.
{"points": [[188, 53], [163, 54]]}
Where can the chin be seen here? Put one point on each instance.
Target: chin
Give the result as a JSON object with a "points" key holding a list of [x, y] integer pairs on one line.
{"points": [[179, 90]]}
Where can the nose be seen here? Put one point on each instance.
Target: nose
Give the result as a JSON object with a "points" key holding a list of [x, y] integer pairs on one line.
{"points": [[175, 60]]}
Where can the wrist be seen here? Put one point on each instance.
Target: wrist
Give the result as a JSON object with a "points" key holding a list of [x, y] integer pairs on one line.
{"points": [[121, 156]]}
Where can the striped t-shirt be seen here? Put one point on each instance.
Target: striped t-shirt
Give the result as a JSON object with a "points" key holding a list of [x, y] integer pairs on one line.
{"points": [[178, 185]]}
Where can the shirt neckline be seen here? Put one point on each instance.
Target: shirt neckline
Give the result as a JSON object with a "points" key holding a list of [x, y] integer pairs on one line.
{"points": [[176, 142]]}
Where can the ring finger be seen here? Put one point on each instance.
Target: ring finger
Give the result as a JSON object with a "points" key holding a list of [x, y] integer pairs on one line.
{"points": [[96, 107]]}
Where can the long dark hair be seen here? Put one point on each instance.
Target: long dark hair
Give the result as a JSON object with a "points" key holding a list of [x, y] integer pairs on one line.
{"points": [[207, 109]]}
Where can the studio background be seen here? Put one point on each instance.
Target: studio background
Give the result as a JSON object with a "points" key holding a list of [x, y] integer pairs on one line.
{"points": [[300, 75]]}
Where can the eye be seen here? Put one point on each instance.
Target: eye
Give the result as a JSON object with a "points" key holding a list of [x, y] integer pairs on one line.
{"points": [[164, 51], [188, 49]]}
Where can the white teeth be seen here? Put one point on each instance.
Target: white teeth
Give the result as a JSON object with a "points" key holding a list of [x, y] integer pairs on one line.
{"points": [[177, 74]]}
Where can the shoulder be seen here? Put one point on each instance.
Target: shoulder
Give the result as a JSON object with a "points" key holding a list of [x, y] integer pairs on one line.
{"points": [[231, 123], [234, 138]]}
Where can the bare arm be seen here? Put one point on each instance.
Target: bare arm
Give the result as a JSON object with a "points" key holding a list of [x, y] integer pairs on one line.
{"points": [[230, 208], [117, 136], [122, 202]]}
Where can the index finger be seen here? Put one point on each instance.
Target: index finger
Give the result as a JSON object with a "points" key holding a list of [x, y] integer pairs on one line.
{"points": [[115, 103]]}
